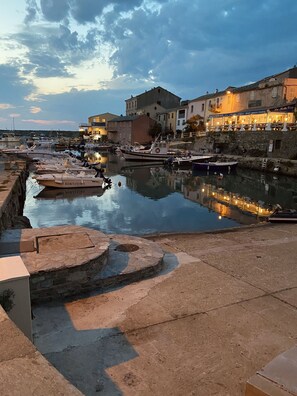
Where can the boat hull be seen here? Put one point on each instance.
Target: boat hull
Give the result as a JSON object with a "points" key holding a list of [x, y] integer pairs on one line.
{"points": [[215, 166], [54, 181], [289, 216], [139, 156]]}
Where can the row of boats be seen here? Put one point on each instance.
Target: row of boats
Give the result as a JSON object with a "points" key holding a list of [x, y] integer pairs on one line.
{"points": [[160, 152], [62, 170]]}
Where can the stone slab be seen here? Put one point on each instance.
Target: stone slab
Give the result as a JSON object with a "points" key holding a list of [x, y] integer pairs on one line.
{"points": [[23, 371], [56, 243], [203, 326]]}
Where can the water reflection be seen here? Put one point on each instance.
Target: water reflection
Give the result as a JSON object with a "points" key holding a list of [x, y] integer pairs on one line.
{"points": [[70, 193], [146, 198]]}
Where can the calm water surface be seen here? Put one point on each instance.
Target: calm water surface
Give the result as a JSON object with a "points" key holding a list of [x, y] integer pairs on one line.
{"points": [[146, 199]]}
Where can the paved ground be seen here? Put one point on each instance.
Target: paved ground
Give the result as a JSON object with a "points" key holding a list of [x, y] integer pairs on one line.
{"points": [[224, 306]]}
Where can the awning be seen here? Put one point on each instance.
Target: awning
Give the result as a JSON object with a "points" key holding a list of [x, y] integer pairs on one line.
{"points": [[283, 109]]}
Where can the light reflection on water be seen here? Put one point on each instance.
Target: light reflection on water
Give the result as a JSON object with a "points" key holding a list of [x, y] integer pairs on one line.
{"points": [[146, 199]]}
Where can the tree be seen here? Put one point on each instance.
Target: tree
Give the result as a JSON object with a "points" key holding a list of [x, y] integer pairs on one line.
{"points": [[155, 130], [194, 124]]}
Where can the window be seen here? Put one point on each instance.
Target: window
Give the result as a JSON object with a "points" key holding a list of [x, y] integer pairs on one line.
{"points": [[192, 108], [181, 113], [159, 102], [274, 92], [252, 95], [178, 122], [255, 103], [172, 115], [155, 108], [202, 107]]}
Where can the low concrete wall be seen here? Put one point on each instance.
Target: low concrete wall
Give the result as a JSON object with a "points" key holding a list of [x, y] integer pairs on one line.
{"points": [[13, 176], [274, 165]]}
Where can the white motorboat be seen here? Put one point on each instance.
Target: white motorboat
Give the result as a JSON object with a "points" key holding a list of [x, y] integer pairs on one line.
{"points": [[68, 180], [32, 152], [70, 165], [159, 151], [187, 159], [9, 138]]}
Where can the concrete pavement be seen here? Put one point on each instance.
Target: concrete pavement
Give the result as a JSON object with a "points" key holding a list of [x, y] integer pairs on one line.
{"points": [[222, 308]]}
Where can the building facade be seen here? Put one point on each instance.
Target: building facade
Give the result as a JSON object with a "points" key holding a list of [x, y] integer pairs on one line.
{"points": [[127, 130], [271, 100], [152, 103], [96, 128]]}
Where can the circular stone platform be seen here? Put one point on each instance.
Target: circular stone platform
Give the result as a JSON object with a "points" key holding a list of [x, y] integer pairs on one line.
{"points": [[70, 260]]}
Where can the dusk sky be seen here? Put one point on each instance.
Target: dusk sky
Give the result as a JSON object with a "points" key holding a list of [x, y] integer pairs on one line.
{"points": [[64, 60]]}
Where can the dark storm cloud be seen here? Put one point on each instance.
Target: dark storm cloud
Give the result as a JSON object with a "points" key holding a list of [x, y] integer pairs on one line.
{"points": [[13, 87], [54, 10], [207, 44], [51, 50], [187, 47]]}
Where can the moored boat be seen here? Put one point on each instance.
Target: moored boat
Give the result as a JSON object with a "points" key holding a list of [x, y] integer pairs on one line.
{"points": [[283, 216], [9, 138], [68, 180], [186, 159], [215, 166], [159, 151]]}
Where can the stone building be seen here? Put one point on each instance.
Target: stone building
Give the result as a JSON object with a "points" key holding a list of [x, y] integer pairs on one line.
{"points": [[152, 103], [130, 129]]}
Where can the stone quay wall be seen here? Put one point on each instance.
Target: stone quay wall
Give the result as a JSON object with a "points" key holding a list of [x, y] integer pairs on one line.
{"points": [[13, 176], [60, 283], [270, 144]]}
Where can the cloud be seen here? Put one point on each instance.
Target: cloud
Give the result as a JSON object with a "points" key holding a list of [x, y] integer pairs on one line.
{"points": [[186, 48], [5, 106], [49, 122], [31, 11], [13, 86], [54, 10], [35, 110]]}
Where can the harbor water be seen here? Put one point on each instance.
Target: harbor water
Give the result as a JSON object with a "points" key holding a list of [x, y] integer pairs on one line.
{"points": [[147, 199]]}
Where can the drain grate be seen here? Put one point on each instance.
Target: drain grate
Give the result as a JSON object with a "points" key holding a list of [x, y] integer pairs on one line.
{"points": [[127, 247]]}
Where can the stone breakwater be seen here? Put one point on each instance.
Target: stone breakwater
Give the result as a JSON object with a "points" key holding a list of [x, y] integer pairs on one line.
{"points": [[13, 176]]}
